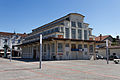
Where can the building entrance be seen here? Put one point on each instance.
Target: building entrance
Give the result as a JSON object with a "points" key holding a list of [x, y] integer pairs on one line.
{"points": [[34, 54]]}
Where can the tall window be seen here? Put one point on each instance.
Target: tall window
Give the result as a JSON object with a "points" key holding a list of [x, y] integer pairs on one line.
{"points": [[79, 24], [60, 47], [73, 33], [62, 30], [53, 47], [45, 47], [79, 46], [61, 23], [89, 33], [67, 32], [73, 46], [57, 29], [79, 34], [67, 45], [91, 48], [85, 46], [85, 34], [73, 24]]}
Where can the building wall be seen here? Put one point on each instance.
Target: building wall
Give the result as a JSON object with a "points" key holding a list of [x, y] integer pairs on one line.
{"points": [[50, 53], [61, 24], [46, 30], [76, 19], [103, 51], [14, 39]]}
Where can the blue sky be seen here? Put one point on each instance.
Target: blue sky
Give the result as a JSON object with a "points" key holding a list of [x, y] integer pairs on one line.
{"points": [[25, 15]]}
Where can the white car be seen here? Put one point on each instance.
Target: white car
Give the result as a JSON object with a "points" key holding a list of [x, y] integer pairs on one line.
{"points": [[8, 56]]}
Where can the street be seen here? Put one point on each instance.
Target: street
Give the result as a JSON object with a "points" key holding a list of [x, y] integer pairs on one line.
{"points": [[59, 70]]}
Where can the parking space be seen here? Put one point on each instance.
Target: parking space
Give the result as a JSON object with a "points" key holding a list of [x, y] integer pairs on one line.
{"points": [[59, 70]]}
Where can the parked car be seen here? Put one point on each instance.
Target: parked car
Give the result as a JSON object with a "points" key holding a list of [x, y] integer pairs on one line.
{"points": [[8, 56], [99, 57], [112, 57]]}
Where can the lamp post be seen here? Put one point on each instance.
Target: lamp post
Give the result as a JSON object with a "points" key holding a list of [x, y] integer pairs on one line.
{"points": [[40, 50], [5, 48], [107, 51], [10, 49]]}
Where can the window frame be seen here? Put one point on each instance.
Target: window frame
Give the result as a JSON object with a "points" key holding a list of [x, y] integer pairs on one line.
{"points": [[73, 35], [67, 33], [79, 34], [60, 47], [79, 24], [73, 23]]}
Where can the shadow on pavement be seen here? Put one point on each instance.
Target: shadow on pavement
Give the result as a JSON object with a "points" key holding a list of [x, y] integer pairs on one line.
{"points": [[25, 60]]}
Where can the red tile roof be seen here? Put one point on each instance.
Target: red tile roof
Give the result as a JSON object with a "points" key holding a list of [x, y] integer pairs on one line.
{"points": [[9, 34], [102, 38]]}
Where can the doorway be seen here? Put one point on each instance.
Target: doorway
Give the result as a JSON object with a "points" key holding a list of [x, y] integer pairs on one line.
{"points": [[34, 54]]}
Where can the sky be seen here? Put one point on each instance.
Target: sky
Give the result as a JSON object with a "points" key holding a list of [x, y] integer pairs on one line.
{"points": [[22, 16]]}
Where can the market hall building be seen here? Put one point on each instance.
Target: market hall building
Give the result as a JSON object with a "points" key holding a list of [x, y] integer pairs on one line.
{"points": [[65, 38]]}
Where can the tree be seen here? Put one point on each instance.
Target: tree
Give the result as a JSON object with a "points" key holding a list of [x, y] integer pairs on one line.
{"points": [[5, 50]]}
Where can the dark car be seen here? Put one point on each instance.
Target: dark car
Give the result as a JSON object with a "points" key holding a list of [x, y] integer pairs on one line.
{"points": [[112, 57], [99, 57]]}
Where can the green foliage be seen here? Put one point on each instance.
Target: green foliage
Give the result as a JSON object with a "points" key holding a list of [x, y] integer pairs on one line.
{"points": [[115, 44], [6, 46]]}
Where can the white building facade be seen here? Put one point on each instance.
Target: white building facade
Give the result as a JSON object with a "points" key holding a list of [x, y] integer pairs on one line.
{"points": [[64, 38], [8, 39]]}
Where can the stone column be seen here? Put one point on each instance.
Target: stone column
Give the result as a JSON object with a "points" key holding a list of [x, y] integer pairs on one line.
{"points": [[32, 52], [82, 34], [70, 31]]}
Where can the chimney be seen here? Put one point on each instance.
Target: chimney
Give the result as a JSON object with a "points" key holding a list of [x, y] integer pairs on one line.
{"points": [[117, 37], [100, 37], [24, 33]]}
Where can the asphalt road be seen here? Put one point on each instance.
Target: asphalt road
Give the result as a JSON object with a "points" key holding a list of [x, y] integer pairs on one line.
{"points": [[59, 70]]}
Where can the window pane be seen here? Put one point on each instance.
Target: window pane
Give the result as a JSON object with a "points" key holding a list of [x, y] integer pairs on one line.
{"points": [[44, 47], [62, 30], [73, 46], [79, 24], [67, 45], [67, 32], [85, 34], [73, 24], [79, 34], [74, 33], [85, 46], [57, 29], [60, 47], [91, 48], [61, 23], [53, 47], [89, 33], [80, 46]]}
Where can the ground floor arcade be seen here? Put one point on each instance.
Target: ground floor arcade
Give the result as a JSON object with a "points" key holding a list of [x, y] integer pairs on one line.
{"points": [[61, 49]]}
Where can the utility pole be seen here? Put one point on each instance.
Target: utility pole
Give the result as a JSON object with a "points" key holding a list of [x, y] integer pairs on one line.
{"points": [[40, 50], [10, 49], [107, 52]]}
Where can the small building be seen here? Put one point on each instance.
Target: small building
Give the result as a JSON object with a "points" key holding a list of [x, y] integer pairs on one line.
{"points": [[8, 38], [64, 38], [104, 38], [112, 49], [113, 46]]}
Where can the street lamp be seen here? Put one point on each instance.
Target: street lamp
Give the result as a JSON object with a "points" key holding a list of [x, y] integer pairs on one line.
{"points": [[40, 50], [10, 49], [107, 51]]}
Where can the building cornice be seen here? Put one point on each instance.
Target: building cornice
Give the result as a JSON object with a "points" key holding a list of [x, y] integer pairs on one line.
{"points": [[58, 20]]}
